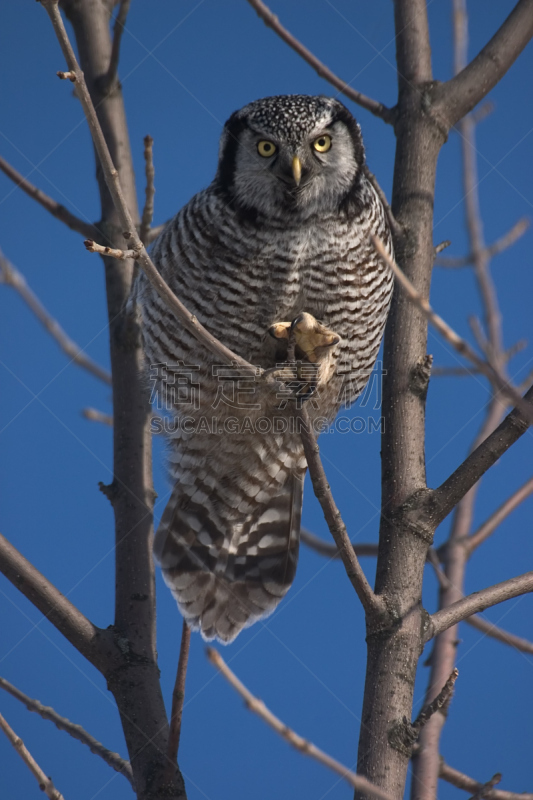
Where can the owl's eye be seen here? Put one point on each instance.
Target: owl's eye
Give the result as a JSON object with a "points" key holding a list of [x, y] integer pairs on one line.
{"points": [[266, 148], [323, 143]]}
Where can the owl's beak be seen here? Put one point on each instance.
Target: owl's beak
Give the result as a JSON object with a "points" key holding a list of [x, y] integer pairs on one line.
{"points": [[297, 170]]}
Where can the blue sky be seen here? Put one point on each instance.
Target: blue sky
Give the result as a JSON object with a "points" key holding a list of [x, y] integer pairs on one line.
{"points": [[185, 67]]}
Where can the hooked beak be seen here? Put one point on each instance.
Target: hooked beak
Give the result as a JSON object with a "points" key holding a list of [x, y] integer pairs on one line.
{"points": [[297, 170]]}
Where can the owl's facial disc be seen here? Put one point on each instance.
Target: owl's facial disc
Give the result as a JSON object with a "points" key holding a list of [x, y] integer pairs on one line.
{"points": [[274, 177], [290, 154]]}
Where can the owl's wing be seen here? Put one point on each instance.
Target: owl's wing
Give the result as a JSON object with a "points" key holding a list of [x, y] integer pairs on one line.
{"points": [[224, 583]]}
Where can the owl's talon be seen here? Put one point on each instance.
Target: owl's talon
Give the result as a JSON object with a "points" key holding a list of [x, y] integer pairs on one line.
{"points": [[312, 345]]}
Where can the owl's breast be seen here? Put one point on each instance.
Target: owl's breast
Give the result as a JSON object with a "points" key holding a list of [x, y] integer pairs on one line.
{"points": [[240, 276]]}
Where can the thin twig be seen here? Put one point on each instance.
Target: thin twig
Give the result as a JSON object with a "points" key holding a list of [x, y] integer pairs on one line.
{"points": [[509, 238], [495, 519], [56, 209], [148, 210], [479, 601], [153, 233], [12, 277], [111, 176], [331, 550], [495, 632], [107, 82], [459, 344], [456, 97], [93, 415], [303, 745], [485, 454], [112, 252], [45, 783], [453, 372], [433, 559], [76, 731], [462, 781], [440, 702], [501, 244], [483, 790], [178, 696], [372, 604], [482, 112], [396, 229], [271, 21]]}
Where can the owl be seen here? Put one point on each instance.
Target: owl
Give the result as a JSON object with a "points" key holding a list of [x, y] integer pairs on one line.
{"points": [[273, 255]]}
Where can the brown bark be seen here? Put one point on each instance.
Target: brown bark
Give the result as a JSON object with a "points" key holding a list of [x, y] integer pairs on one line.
{"points": [[411, 512], [134, 679]]}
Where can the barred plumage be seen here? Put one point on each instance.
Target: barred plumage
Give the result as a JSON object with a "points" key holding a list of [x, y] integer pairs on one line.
{"points": [[283, 229]]}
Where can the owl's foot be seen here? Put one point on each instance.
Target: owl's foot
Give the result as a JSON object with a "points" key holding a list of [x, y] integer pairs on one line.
{"points": [[310, 354]]}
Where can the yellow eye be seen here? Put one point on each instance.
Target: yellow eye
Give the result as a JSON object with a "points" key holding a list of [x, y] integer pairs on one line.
{"points": [[323, 143], [266, 148]]}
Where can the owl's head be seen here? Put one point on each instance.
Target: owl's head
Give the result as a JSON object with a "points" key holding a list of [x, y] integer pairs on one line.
{"points": [[290, 154]]}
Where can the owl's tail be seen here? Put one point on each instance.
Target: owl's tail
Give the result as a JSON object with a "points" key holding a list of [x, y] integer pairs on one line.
{"points": [[225, 576]]}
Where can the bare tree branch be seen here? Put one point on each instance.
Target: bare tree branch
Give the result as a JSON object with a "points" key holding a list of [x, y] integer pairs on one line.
{"points": [[482, 624], [330, 550], [453, 372], [56, 209], [178, 696], [303, 745], [109, 79], [480, 460], [111, 252], [272, 21], [397, 230], [93, 415], [45, 783], [440, 702], [501, 244], [479, 601], [76, 731], [133, 675], [148, 210], [433, 559], [458, 96], [372, 605], [188, 320], [74, 626], [486, 787], [153, 233], [490, 371], [462, 781], [12, 277], [490, 525]]}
